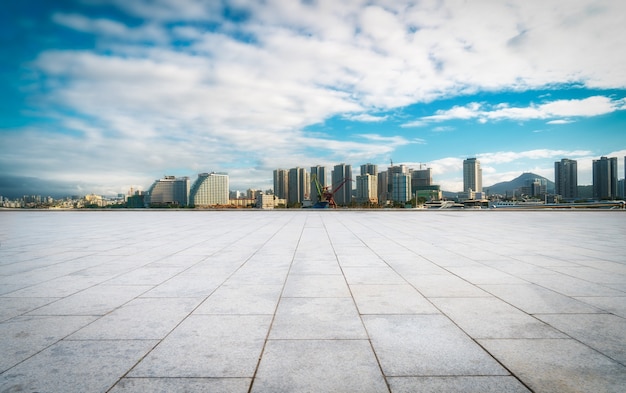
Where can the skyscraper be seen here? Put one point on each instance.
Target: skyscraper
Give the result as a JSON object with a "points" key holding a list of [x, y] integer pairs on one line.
{"points": [[372, 169], [401, 189], [210, 189], [566, 178], [367, 188], [341, 172], [605, 178], [281, 183], [320, 173], [170, 190], [299, 186], [472, 175]]}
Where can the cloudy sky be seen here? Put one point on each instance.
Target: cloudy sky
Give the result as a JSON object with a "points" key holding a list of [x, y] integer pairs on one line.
{"points": [[102, 95]]}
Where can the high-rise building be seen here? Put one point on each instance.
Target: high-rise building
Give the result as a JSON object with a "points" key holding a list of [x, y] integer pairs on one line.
{"points": [[566, 178], [472, 175], [367, 188], [372, 169], [605, 178], [401, 187], [168, 191], [281, 183], [318, 172], [342, 172], [383, 186], [391, 172], [299, 186], [210, 189]]}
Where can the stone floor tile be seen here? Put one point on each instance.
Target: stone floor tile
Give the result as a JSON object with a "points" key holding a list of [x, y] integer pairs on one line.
{"points": [[22, 337], [141, 318], [612, 304], [485, 275], [571, 286], [558, 365], [439, 285], [242, 299], [477, 384], [75, 366], [208, 346], [170, 385], [318, 366], [12, 307], [426, 345], [317, 318], [489, 317], [372, 275], [390, 299], [605, 333], [97, 300], [316, 285], [146, 276], [534, 299], [187, 286]]}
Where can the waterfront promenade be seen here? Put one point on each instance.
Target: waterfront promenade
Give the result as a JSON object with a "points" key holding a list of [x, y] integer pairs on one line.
{"points": [[312, 301]]}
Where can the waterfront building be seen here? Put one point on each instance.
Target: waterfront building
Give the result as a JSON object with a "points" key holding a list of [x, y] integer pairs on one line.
{"points": [[372, 169], [169, 191], [210, 189], [341, 172], [299, 186], [401, 187], [605, 178], [472, 176], [367, 188], [383, 194], [566, 178], [281, 183]]}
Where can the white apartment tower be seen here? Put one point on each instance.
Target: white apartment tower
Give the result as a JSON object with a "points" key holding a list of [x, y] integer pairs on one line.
{"points": [[472, 175], [210, 189]]}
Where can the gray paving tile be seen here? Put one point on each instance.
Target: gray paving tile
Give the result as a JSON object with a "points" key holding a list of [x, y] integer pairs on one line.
{"points": [[169, 385], [317, 318], [242, 299], [316, 285], [426, 345], [485, 275], [390, 299], [141, 318], [571, 286], [13, 307], [489, 317], [372, 275], [22, 337], [319, 366], [97, 300], [439, 285], [612, 304], [208, 346], [558, 366], [605, 333], [476, 384], [534, 299], [187, 286], [75, 366]]}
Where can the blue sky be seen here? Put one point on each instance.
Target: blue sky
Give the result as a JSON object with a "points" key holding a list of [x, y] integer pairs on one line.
{"points": [[102, 95]]}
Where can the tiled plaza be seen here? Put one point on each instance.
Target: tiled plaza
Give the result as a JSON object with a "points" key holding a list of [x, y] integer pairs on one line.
{"points": [[312, 301]]}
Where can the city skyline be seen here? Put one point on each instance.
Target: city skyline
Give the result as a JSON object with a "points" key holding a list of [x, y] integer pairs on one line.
{"points": [[100, 96]]}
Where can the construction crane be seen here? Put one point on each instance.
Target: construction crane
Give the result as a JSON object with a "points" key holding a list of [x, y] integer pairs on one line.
{"points": [[326, 197]]}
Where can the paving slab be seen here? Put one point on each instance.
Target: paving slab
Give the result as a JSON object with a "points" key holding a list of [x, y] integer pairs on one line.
{"points": [[208, 346], [319, 366], [558, 365], [170, 385], [477, 384], [426, 345]]}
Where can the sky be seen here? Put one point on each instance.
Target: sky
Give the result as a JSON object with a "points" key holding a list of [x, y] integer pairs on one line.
{"points": [[98, 96]]}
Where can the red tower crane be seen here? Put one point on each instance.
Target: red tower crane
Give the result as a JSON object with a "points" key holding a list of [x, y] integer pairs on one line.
{"points": [[325, 196]]}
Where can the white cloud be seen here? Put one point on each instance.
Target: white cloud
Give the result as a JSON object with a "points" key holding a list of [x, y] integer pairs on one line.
{"points": [[587, 107], [367, 118]]}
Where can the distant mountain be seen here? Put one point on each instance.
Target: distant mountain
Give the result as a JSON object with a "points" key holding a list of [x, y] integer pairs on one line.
{"points": [[509, 187]]}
